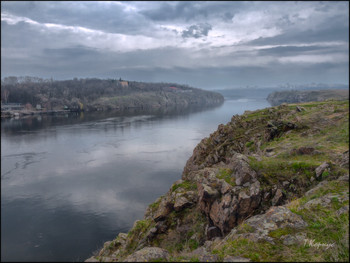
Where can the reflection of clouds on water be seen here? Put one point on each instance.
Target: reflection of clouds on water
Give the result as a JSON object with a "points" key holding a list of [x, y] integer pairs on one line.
{"points": [[11, 162], [97, 176]]}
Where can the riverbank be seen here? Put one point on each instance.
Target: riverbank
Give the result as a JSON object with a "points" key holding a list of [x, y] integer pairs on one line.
{"points": [[99, 94], [299, 96], [27, 113]]}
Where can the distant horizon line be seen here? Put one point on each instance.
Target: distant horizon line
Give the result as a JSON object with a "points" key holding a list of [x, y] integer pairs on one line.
{"points": [[286, 85]]}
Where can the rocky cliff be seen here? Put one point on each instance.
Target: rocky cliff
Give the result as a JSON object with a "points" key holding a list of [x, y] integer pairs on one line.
{"points": [[270, 185], [297, 96]]}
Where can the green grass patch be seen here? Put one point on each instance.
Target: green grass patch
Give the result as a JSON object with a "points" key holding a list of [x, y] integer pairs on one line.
{"points": [[281, 232], [186, 185], [245, 228], [226, 174]]}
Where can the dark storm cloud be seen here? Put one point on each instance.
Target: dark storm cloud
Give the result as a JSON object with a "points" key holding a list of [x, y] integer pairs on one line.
{"points": [[241, 43], [187, 10], [197, 31]]}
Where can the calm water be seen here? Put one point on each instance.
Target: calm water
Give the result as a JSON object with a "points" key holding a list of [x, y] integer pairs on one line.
{"points": [[70, 183]]}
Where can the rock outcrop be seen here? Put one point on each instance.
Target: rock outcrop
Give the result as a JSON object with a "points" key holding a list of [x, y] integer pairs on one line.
{"points": [[258, 186]]}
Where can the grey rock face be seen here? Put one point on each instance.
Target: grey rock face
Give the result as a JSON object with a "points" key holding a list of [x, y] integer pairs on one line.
{"points": [[276, 200], [319, 170], [243, 173]]}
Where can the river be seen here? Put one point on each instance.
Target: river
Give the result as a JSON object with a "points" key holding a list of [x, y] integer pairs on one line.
{"points": [[71, 183]]}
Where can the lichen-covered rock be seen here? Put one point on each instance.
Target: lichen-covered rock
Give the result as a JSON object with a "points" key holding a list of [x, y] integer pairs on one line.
{"points": [[207, 195], [148, 254], [319, 170], [276, 217], [183, 200], [325, 200], [260, 226], [242, 171], [276, 200], [164, 209]]}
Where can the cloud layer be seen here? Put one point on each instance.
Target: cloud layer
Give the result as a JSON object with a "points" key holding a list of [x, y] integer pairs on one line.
{"points": [[203, 44]]}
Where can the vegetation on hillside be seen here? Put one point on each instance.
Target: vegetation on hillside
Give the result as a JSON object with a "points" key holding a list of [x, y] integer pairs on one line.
{"points": [[101, 94], [270, 185]]}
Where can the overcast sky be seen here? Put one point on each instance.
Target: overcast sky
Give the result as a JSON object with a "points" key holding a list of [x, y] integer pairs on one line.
{"points": [[203, 44]]}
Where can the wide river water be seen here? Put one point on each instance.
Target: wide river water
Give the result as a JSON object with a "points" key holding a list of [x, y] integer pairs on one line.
{"points": [[71, 183]]}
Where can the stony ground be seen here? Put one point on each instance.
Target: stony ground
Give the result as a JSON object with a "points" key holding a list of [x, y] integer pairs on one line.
{"points": [[270, 185]]}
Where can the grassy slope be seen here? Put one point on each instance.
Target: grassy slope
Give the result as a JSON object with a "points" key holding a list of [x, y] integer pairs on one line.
{"points": [[323, 126]]}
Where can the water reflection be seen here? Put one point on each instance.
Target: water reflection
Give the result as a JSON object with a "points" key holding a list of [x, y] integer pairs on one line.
{"points": [[117, 119], [70, 183]]}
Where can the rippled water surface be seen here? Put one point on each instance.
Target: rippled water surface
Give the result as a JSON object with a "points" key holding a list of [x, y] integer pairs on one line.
{"points": [[70, 183]]}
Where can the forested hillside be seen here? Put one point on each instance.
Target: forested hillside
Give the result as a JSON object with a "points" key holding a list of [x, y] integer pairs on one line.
{"points": [[100, 94]]}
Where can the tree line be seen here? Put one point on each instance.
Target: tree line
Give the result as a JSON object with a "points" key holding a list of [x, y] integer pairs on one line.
{"points": [[35, 90]]}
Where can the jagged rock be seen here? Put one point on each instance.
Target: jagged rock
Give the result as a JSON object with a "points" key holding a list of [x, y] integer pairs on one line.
{"points": [[319, 170], [213, 232], [148, 254], [276, 128], [223, 213], [235, 259], [242, 171], [182, 201], [206, 196], [225, 188], [161, 226], [276, 200], [244, 202], [164, 209]]}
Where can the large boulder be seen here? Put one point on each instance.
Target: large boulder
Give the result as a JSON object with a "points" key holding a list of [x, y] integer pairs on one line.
{"points": [[242, 171], [259, 226]]}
